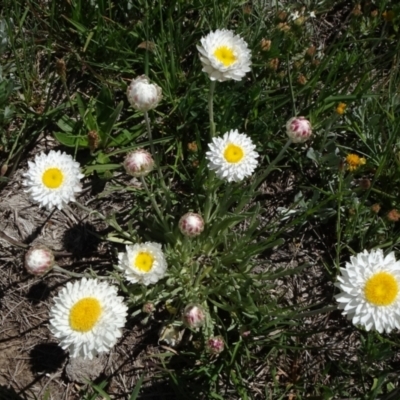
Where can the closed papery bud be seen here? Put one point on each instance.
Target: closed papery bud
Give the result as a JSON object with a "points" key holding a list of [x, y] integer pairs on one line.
{"points": [[139, 163], [193, 316], [298, 129], [215, 345], [143, 95], [39, 259], [148, 308], [191, 224]]}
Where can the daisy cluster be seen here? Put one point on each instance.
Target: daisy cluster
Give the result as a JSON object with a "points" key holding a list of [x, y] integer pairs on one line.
{"points": [[88, 315]]}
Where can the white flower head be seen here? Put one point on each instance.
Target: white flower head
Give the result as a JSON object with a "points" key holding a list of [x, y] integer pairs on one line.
{"points": [[215, 344], [194, 316], [143, 263], [370, 290], [191, 224], [143, 95], [53, 179], [224, 56], [298, 129], [232, 157], [88, 317], [139, 163], [39, 259]]}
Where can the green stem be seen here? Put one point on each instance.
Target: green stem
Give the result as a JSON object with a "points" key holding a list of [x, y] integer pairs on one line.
{"points": [[211, 109], [147, 120], [291, 88], [338, 220], [105, 219], [273, 163], [154, 204], [153, 153]]}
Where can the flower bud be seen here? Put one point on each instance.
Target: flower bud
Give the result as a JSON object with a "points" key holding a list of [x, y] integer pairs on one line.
{"points": [[375, 208], [191, 224], [138, 163], [215, 345], [193, 316], [148, 308], [298, 129], [143, 95], [393, 216], [39, 259]]}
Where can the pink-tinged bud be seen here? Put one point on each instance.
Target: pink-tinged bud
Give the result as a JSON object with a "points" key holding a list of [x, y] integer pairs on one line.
{"points": [[191, 224], [39, 259], [143, 95], [139, 163], [215, 345], [193, 316], [148, 308], [298, 129]]}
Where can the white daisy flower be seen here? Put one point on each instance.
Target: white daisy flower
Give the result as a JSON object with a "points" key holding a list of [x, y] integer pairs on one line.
{"points": [[232, 157], [143, 263], [52, 180], [88, 317], [224, 55], [370, 286]]}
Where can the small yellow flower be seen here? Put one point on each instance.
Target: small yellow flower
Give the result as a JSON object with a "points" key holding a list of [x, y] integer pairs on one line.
{"points": [[341, 108], [354, 161], [388, 16]]}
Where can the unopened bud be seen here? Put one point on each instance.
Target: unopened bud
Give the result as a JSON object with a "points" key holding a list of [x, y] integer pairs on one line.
{"points": [[39, 259], [3, 169], [311, 51], [365, 184], [357, 10], [274, 64], [143, 95], [61, 68], [139, 163], [215, 345], [282, 16], [193, 316], [375, 208], [298, 129], [302, 80], [393, 216], [148, 308], [191, 224], [93, 139], [265, 44]]}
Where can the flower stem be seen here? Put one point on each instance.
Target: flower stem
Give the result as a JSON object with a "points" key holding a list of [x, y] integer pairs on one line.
{"points": [[105, 219], [153, 153], [147, 120], [154, 204], [273, 163], [211, 109]]}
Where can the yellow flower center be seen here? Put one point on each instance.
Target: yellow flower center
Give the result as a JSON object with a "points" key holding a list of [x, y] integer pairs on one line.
{"points": [[144, 261], [233, 153], [84, 314], [381, 289], [52, 178], [354, 161], [225, 55]]}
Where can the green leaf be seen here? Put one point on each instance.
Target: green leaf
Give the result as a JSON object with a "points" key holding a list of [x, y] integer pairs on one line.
{"points": [[101, 168], [135, 392], [70, 140], [66, 124]]}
